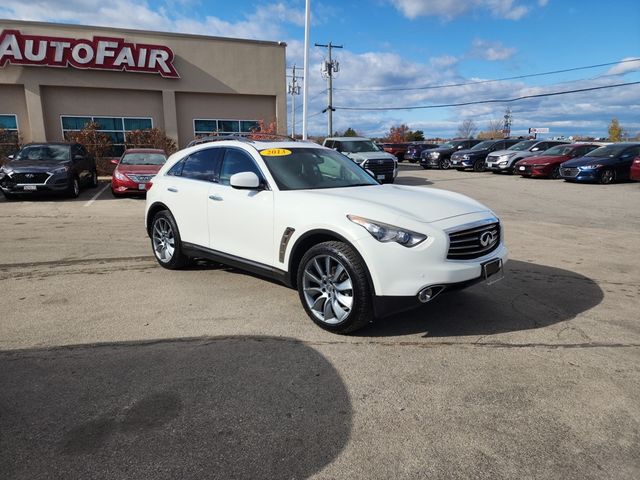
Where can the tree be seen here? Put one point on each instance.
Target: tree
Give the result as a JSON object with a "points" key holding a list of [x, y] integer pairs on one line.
{"points": [[350, 132], [467, 129], [9, 144], [264, 131], [96, 142], [494, 130], [398, 134], [615, 130], [417, 136], [151, 138]]}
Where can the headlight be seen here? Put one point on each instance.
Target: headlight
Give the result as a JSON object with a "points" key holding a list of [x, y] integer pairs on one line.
{"points": [[434, 154], [465, 157], [120, 176], [388, 233], [60, 170], [590, 167]]}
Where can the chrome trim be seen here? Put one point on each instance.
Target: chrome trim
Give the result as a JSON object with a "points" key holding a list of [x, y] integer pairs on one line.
{"points": [[467, 226]]}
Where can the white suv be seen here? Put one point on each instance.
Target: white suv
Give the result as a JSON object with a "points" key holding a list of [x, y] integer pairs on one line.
{"points": [[313, 219]]}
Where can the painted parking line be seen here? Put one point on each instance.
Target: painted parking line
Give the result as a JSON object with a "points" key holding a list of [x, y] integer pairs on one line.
{"points": [[93, 199]]}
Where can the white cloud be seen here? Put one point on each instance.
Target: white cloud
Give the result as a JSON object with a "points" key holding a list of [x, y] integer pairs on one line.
{"points": [[448, 9], [628, 66], [492, 51]]}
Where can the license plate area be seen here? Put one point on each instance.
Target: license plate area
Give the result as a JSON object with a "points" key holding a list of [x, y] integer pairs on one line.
{"points": [[493, 271], [142, 186], [30, 188], [380, 177]]}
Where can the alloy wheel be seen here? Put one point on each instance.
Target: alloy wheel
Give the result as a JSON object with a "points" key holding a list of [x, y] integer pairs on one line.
{"points": [[607, 176], [328, 289], [163, 240], [445, 163]]}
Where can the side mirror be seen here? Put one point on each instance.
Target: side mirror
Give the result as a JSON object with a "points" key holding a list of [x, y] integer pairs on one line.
{"points": [[115, 161], [245, 181], [535, 149], [77, 157]]}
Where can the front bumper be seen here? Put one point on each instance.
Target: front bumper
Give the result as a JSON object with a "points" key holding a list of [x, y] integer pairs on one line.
{"points": [[581, 176], [430, 162], [52, 184], [495, 167], [462, 163], [123, 187]]}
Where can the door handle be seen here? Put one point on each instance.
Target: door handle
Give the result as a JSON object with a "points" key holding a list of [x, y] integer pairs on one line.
{"points": [[172, 189], [217, 198]]}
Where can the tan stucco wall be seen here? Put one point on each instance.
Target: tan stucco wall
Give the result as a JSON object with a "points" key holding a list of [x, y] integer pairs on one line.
{"points": [[57, 101], [12, 102], [206, 65]]}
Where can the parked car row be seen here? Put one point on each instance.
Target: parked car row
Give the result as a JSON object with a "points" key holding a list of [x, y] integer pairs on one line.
{"points": [[587, 162]]}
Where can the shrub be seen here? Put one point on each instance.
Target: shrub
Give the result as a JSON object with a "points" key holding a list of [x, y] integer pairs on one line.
{"points": [[151, 138]]}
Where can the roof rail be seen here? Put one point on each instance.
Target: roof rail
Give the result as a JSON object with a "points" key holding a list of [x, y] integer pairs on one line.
{"points": [[242, 137]]}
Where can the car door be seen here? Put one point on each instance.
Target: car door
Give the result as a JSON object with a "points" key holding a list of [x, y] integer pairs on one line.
{"points": [[81, 163], [187, 186], [241, 221], [624, 161]]}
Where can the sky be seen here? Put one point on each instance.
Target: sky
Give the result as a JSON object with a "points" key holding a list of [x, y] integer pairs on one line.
{"points": [[407, 53]]}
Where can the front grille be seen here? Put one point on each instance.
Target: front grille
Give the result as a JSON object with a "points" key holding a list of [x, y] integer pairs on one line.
{"points": [[140, 178], [570, 172], [29, 177], [474, 242], [380, 166]]}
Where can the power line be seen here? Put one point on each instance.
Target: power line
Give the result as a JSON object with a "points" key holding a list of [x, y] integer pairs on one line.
{"points": [[503, 100], [433, 87]]}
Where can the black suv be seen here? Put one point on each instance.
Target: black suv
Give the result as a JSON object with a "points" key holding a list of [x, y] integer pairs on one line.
{"points": [[474, 157], [415, 150], [48, 167], [440, 157]]}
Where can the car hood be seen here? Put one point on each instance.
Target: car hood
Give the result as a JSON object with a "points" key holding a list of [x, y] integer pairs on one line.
{"points": [[147, 169], [35, 165], [544, 160], [582, 161], [389, 203], [442, 150], [514, 153], [484, 151], [362, 156]]}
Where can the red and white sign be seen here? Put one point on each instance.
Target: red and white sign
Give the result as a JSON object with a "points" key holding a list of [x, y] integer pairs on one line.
{"points": [[100, 53]]}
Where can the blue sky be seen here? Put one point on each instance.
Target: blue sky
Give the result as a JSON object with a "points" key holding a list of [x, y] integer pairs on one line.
{"points": [[403, 44]]}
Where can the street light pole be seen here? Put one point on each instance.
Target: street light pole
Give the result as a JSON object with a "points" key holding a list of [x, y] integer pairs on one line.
{"points": [[305, 83]]}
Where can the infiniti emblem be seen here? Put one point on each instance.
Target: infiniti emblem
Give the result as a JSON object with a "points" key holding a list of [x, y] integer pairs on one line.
{"points": [[486, 239], [29, 175]]}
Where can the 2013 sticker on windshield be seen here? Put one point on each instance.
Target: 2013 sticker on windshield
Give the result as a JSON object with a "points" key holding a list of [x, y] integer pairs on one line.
{"points": [[275, 152]]}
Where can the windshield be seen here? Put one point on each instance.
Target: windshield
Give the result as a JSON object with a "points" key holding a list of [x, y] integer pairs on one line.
{"points": [[559, 150], [143, 159], [523, 145], [484, 145], [312, 168], [357, 146], [44, 152], [608, 151]]}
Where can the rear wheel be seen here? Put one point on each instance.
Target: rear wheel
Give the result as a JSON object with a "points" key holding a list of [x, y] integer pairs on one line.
{"points": [[165, 241], [333, 287], [607, 176]]}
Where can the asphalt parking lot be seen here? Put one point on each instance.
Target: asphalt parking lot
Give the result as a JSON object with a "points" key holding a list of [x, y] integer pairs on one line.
{"points": [[112, 367]]}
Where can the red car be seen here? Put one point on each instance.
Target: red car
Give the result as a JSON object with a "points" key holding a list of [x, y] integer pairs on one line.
{"points": [[135, 169], [547, 164], [634, 173]]}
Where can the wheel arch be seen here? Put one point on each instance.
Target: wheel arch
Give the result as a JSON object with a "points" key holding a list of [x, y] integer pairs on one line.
{"points": [[312, 238], [153, 209]]}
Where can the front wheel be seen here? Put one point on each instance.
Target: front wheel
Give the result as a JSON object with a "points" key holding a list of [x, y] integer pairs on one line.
{"points": [[445, 164], [165, 241], [555, 173], [478, 166], [93, 181], [73, 190], [333, 287], [607, 176]]}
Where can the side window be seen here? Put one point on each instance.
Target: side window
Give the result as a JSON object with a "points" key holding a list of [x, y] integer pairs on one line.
{"points": [[632, 152], [203, 164], [236, 161], [176, 170], [338, 146], [329, 143], [77, 150]]}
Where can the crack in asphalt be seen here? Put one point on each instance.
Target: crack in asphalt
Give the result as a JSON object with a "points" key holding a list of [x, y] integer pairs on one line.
{"points": [[203, 341], [68, 263]]}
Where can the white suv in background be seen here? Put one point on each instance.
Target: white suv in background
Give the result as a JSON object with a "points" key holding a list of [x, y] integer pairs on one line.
{"points": [[313, 219], [368, 155]]}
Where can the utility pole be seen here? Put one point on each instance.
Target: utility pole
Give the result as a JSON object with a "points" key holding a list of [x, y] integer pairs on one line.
{"points": [[305, 89], [328, 68], [294, 89]]}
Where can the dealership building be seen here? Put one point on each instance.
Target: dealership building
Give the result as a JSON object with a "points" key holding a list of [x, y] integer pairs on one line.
{"points": [[56, 78]]}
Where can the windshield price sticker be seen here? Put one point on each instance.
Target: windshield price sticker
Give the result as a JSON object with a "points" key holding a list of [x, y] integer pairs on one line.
{"points": [[275, 152]]}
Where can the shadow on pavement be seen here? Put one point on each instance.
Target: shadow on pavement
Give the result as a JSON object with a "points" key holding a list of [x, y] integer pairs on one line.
{"points": [[221, 407], [530, 296], [412, 181]]}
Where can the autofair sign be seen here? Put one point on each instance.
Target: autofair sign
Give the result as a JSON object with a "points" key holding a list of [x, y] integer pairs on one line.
{"points": [[100, 53]]}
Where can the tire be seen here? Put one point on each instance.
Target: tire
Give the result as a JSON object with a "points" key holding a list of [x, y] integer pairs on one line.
{"points": [[73, 190], [478, 166], [9, 196], [166, 243], [445, 164], [607, 176], [351, 308], [93, 182], [555, 173]]}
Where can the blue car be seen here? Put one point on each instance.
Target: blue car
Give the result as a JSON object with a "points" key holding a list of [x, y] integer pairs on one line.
{"points": [[603, 165]]}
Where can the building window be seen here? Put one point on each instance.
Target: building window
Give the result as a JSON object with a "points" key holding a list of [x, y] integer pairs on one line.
{"points": [[8, 134], [115, 128], [204, 127]]}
